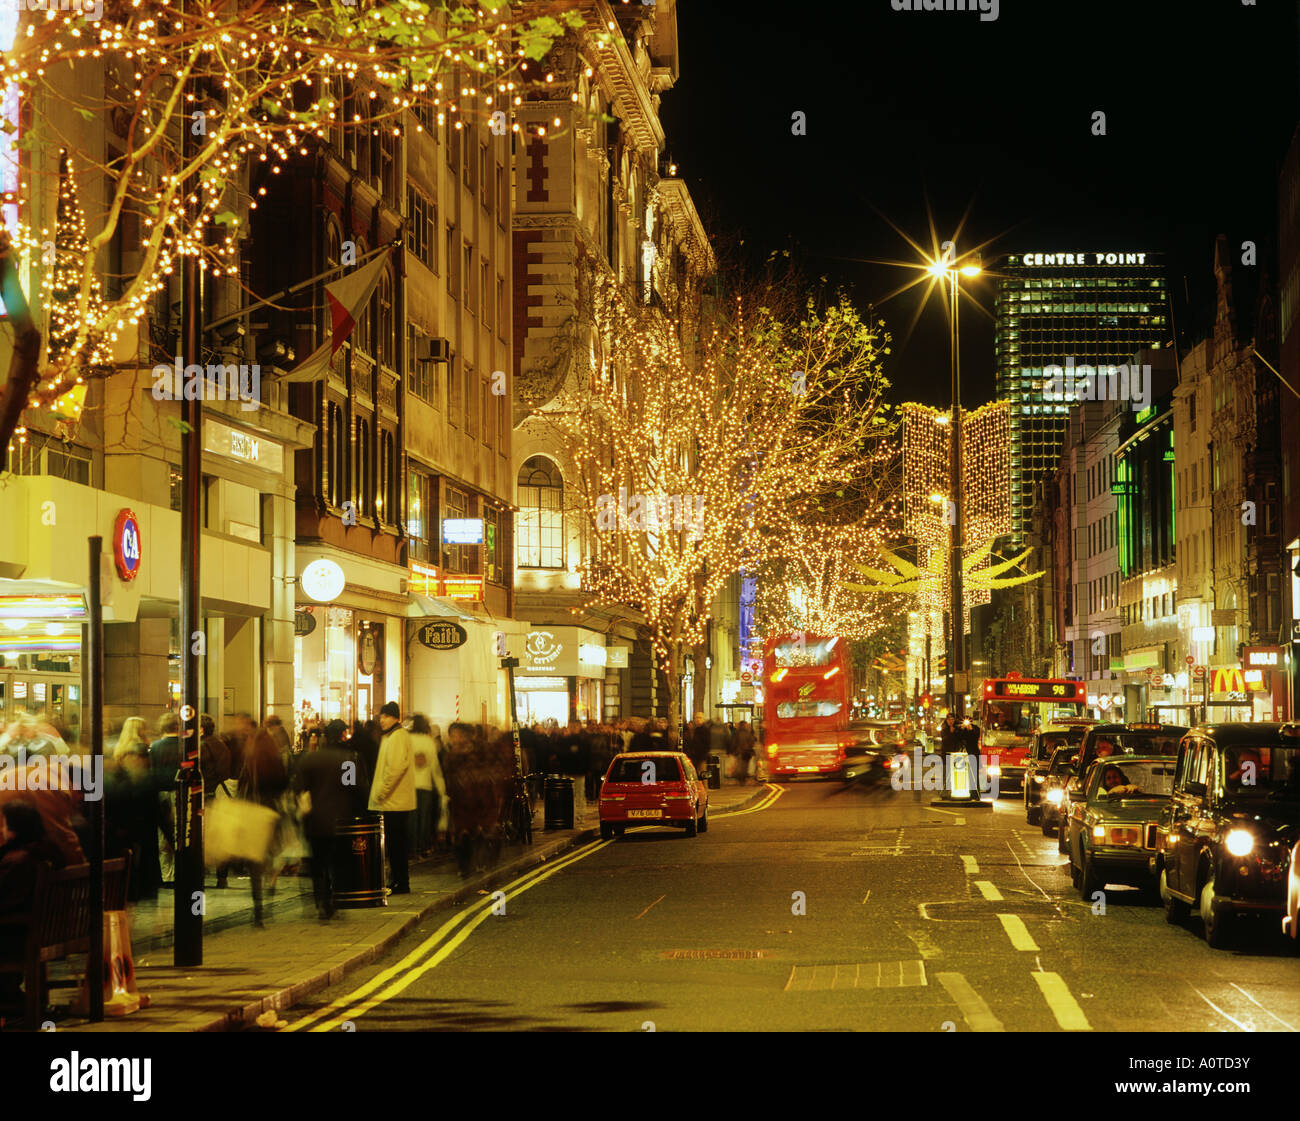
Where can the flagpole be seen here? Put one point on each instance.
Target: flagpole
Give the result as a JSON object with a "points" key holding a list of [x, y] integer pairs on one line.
{"points": [[243, 311]]}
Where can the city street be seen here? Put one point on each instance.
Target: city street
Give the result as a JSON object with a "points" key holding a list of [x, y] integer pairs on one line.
{"points": [[915, 919]]}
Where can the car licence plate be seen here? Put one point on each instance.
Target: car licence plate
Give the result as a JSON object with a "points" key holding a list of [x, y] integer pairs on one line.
{"points": [[645, 813]]}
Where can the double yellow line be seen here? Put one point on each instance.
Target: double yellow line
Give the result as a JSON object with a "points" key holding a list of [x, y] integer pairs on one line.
{"points": [[438, 946], [442, 943]]}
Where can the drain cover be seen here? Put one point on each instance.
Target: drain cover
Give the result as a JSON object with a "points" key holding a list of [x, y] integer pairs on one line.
{"points": [[863, 975], [690, 955]]}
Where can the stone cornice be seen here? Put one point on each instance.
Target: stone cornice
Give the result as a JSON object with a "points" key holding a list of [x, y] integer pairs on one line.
{"points": [[677, 201], [617, 71]]}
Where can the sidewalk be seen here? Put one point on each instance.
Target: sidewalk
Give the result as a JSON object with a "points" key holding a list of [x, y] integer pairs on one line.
{"points": [[247, 971]]}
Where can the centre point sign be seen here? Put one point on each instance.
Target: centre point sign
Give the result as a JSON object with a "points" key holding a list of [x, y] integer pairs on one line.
{"points": [[1077, 259]]}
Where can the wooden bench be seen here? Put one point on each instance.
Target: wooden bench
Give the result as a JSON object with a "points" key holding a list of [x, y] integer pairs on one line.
{"points": [[59, 924]]}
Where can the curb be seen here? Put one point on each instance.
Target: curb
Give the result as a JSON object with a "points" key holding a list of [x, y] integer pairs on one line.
{"points": [[237, 1018]]}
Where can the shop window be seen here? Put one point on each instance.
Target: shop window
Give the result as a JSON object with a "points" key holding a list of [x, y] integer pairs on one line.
{"points": [[540, 523]]}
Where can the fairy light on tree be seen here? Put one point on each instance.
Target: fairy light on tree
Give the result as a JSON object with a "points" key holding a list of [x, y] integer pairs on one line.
{"points": [[258, 86], [690, 461]]}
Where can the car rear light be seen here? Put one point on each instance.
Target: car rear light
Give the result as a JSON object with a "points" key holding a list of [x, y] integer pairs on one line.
{"points": [[1126, 835]]}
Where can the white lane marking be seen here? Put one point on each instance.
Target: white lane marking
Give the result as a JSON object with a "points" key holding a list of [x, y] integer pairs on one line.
{"points": [[1253, 1001], [1017, 932], [968, 865], [973, 1009], [988, 890], [866, 897], [960, 820], [1220, 1011], [1061, 1001]]}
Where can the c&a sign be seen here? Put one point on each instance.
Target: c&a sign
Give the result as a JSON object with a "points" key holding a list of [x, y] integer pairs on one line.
{"points": [[127, 551]]}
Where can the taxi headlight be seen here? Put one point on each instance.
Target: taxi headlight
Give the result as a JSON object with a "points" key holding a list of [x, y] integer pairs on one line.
{"points": [[1040, 778], [1055, 796], [1098, 831], [995, 770], [1239, 841]]}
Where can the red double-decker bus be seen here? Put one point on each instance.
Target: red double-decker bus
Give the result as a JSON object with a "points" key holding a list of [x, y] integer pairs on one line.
{"points": [[1013, 708], [805, 705]]}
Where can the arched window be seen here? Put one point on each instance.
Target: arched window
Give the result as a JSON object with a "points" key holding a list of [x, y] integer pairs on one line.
{"points": [[384, 347], [541, 515], [365, 477], [387, 506], [337, 457]]}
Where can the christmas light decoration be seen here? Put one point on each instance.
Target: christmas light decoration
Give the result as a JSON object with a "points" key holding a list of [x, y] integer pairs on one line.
{"points": [[737, 442], [257, 86]]}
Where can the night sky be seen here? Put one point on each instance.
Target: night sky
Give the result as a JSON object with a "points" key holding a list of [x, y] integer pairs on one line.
{"points": [[1201, 99]]}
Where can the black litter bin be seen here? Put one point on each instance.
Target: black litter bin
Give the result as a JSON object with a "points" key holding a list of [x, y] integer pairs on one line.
{"points": [[559, 802], [359, 864], [714, 773]]}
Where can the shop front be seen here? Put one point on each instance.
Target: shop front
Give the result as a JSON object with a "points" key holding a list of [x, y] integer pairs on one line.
{"points": [[1229, 699], [1265, 673], [561, 675], [349, 631]]}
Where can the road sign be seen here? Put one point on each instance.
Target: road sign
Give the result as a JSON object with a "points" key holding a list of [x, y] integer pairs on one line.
{"points": [[1199, 673], [1190, 659], [747, 678]]}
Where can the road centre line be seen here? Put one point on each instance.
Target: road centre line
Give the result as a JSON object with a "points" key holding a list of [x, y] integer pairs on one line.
{"points": [[1061, 1001], [974, 1011], [988, 890], [1017, 932], [519, 884]]}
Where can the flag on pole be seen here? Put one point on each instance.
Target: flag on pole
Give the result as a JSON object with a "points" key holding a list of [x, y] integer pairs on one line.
{"points": [[347, 298]]}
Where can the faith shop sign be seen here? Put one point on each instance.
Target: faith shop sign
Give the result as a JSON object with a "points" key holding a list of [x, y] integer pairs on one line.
{"points": [[441, 634]]}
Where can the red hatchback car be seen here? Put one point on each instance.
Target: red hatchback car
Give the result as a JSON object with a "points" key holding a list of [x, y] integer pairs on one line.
{"points": [[653, 788]]}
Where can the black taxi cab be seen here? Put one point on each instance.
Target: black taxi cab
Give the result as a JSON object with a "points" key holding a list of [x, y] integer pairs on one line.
{"points": [[1114, 837], [1102, 740], [1225, 846], [1059, 733]]}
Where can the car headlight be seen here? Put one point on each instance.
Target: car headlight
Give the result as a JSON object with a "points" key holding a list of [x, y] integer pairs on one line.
{"points": [[1098, 832], [1040, 778], [995, 770], [1239, 841], [1055, 796]]}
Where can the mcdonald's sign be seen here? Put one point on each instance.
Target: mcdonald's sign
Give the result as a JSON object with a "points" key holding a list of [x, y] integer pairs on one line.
{"points": [[1228, 679]]}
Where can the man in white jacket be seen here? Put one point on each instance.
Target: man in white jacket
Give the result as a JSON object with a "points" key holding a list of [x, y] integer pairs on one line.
{"points": [[392, 793]]}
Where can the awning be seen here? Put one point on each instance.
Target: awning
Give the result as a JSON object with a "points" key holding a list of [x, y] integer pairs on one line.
{"points": [[435, 607]]}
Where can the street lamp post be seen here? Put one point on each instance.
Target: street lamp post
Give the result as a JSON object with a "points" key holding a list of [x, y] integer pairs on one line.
{"points": [[956, 687]]}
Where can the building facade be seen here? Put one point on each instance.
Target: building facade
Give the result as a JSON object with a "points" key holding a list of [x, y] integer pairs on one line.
{"points": [[1072, 310], [594, 196]]}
